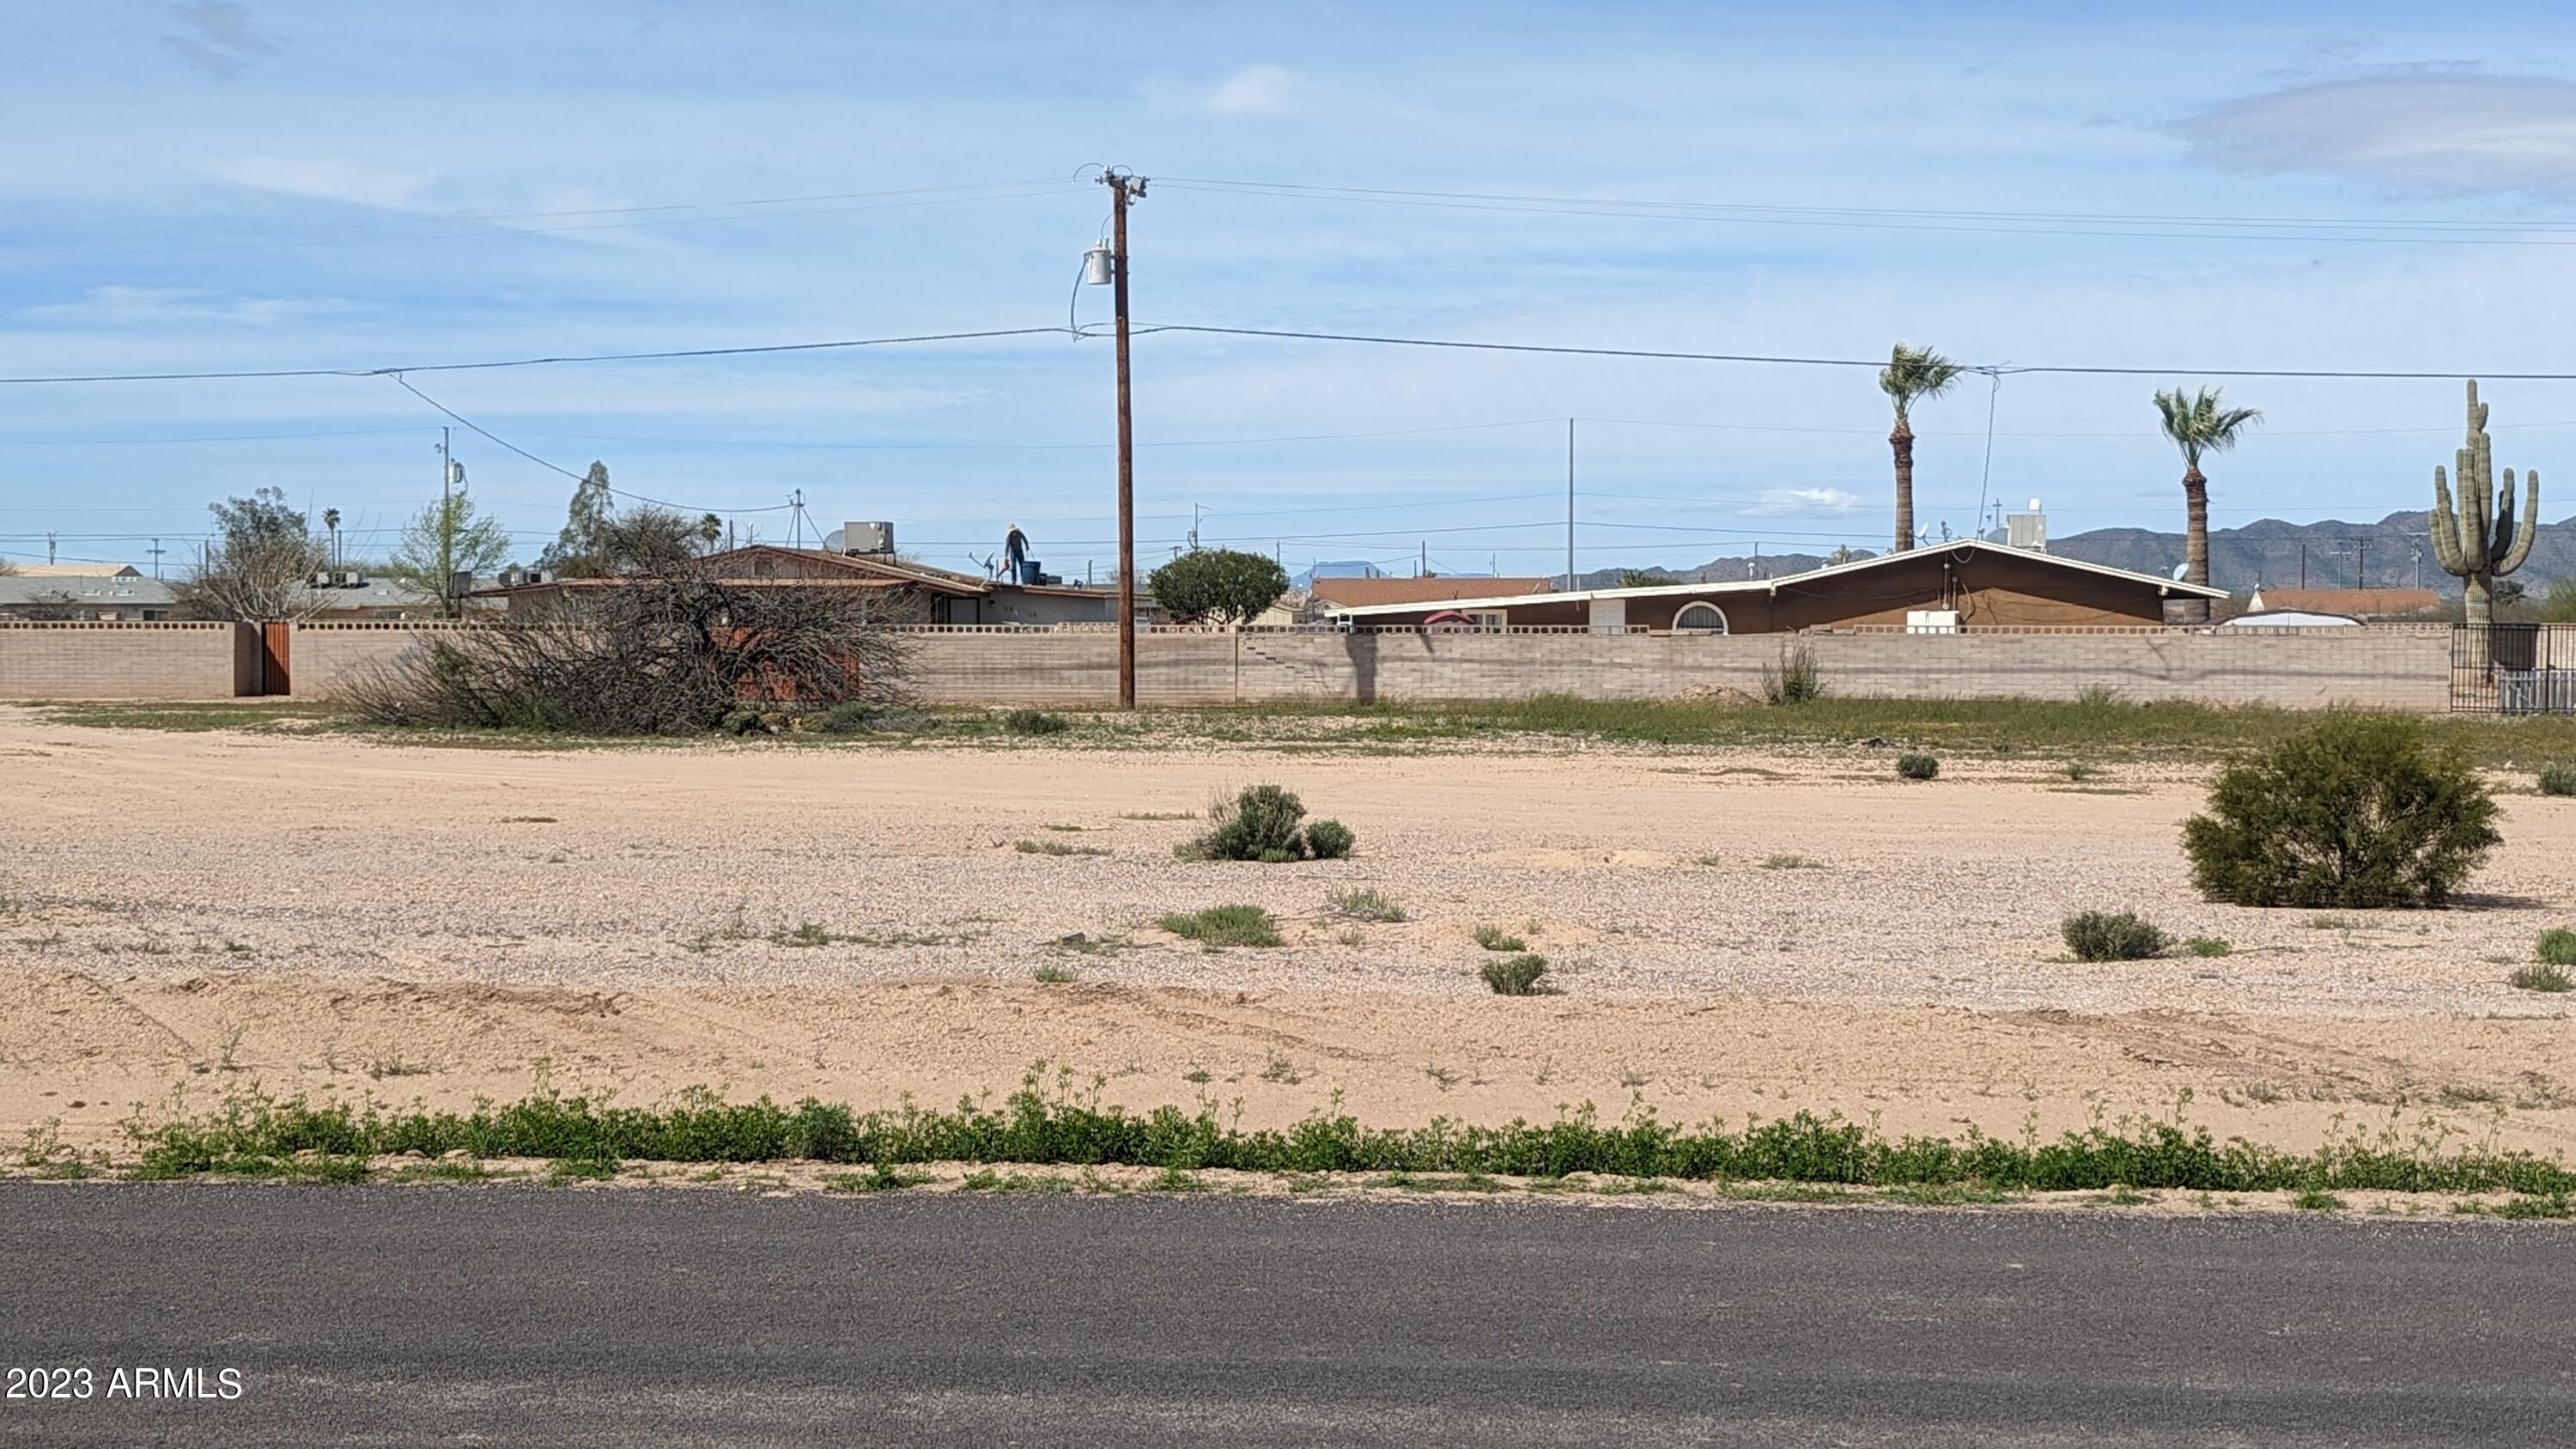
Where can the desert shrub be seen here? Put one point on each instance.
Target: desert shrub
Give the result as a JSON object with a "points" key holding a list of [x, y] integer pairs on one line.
{"points": [[1262, 822], [1495, 938], [2104, 936], [1795, 679], [2356, 810], [1516, 975], [2558, 780], [1366, 905], [1917, 767], [1225, 926], [1033, 722], [2543, 977], [675, 649], [2557, 946], [2208, 946]]}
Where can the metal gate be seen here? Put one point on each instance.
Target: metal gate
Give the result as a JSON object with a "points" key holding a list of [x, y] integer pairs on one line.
{"points": [[2513, 668]]}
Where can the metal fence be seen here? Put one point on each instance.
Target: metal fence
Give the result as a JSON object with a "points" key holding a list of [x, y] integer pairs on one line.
{"points": [[2513, 668]]}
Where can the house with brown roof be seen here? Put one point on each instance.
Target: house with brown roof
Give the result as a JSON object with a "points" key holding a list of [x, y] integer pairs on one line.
{"points": [[1961, 584], [1360, 593], [2407, 604], [952, 597]]}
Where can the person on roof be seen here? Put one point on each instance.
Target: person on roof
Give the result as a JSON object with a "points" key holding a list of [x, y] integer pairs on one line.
{"points": [[1015, 555]]}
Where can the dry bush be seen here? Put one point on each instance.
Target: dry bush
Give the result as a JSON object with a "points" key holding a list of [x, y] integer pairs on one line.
{"points": [[673, 650]]}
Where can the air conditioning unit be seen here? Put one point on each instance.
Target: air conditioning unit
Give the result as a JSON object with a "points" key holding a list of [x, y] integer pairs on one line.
{"points": [[351, 578], [867, 538], [1931, 621], [537, 576], [322, 579]]}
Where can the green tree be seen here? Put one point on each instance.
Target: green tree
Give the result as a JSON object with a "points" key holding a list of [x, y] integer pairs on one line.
{"points": [[1217, 586], [576, 550], [445, 539], [2198, 424], [1640, 579], [255, 565], [2558, 606], [1912, 375]]}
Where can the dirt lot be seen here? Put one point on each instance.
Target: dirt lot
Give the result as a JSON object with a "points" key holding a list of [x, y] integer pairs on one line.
{"points": [[187, 914]]}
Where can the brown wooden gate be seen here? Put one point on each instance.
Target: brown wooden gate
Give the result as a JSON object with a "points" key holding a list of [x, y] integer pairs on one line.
{"points": [[274, 677]]}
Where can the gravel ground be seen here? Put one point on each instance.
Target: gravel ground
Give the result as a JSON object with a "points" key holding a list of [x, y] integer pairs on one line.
{"points": [[141, 862]]}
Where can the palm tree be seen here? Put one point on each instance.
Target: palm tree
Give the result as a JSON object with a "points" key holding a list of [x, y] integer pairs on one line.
{"points": [[1912, 375], [331, 521], [2199, 424]]}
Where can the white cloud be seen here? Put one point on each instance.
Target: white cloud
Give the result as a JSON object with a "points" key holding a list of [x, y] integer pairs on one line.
{"points": [[1780, 502], [1257, 90], [115, 306], [391, 190], [217, 38], [2420, 130]]}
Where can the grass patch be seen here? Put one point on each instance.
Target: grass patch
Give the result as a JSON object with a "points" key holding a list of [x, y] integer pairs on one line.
{"points": [[2332, 922], [2317, 1200], [395, 1067], [2557, 947], [2541, 977], [1052, 974], [1516, 975], [1365, 905], [1495, 938], [880, 1177], [1220, 926], [1040, 1123], [991, 1181], [806, 934], [1056, 847], [1158, 815], [2557, 780], [1791, 862], [529, 820], [1917, 767], [2207, 945], [443, 1172], [1034, 722]]}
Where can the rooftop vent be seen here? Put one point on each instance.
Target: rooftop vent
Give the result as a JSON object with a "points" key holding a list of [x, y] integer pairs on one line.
{"points": [[2027, 530], [867, 538]]}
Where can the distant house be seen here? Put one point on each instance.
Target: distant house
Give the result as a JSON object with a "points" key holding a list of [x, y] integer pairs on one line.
{"points": [[1360, 593], [952, 597], [49, 593], [2359, 603], [1965, 583]]}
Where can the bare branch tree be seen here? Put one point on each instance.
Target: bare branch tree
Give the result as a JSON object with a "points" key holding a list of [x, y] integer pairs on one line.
{"points": [[672, 650], [256, 565]]}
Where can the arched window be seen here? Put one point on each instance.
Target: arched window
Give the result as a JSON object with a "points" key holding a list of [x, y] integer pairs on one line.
{"points": [[1701, 615]]}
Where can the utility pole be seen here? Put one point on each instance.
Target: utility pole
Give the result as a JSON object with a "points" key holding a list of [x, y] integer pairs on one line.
{"points": [[49, 548], [796, 518], [156, 558], [2303, 563], [1197, 511], [1569, 506], [2361, 566], [1123, 188], [446, 524]]}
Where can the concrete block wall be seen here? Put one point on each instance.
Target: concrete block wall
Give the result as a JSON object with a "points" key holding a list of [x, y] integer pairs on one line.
{"points": [[2394, 667], [100, 660]]}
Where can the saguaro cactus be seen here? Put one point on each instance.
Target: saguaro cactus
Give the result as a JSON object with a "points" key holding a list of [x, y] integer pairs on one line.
{"points": [[2464, 541]]}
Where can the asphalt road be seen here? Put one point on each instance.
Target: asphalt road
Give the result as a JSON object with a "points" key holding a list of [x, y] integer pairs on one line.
{"points": [[532, 1315]]}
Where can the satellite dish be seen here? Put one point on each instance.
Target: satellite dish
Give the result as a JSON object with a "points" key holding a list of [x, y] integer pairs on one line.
{"points": [[2180, 569]]}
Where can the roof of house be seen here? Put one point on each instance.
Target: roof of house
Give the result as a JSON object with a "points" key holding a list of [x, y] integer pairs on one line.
{"points": [[2364, 602], [90, 590], [857, 570], [2289, 619], [1362, 592], [1741, 586], [78, 571]]}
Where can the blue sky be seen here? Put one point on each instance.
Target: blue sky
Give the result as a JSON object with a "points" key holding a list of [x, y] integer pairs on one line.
{"points": [[211, 186]]}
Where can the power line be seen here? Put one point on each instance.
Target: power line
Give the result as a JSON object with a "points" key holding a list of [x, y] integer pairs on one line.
{"points": [[774, 347], [466, 422], [2007, 370], [1867, 219]]}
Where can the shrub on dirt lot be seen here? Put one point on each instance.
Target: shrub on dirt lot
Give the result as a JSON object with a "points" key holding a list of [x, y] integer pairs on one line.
{"points": [[2357, 810], [2103, 936], [2543, 977], [2558, 946], [1795, 679], [1224, 926], [1262, 823], [1330, 839], [1917, 767], [1516, 975], [1034, 722], [2558, 780]]}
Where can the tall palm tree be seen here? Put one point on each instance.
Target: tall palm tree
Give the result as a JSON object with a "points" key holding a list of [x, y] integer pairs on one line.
{"points": [[331, 521], [2198, 424], [1912, 375]]}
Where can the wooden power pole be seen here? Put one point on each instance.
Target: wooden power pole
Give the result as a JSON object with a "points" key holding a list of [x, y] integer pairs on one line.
{"points": [[1122, 187]]}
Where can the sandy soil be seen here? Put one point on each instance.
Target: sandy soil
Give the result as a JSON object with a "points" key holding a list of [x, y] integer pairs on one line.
{"points": [[188, 914]]}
